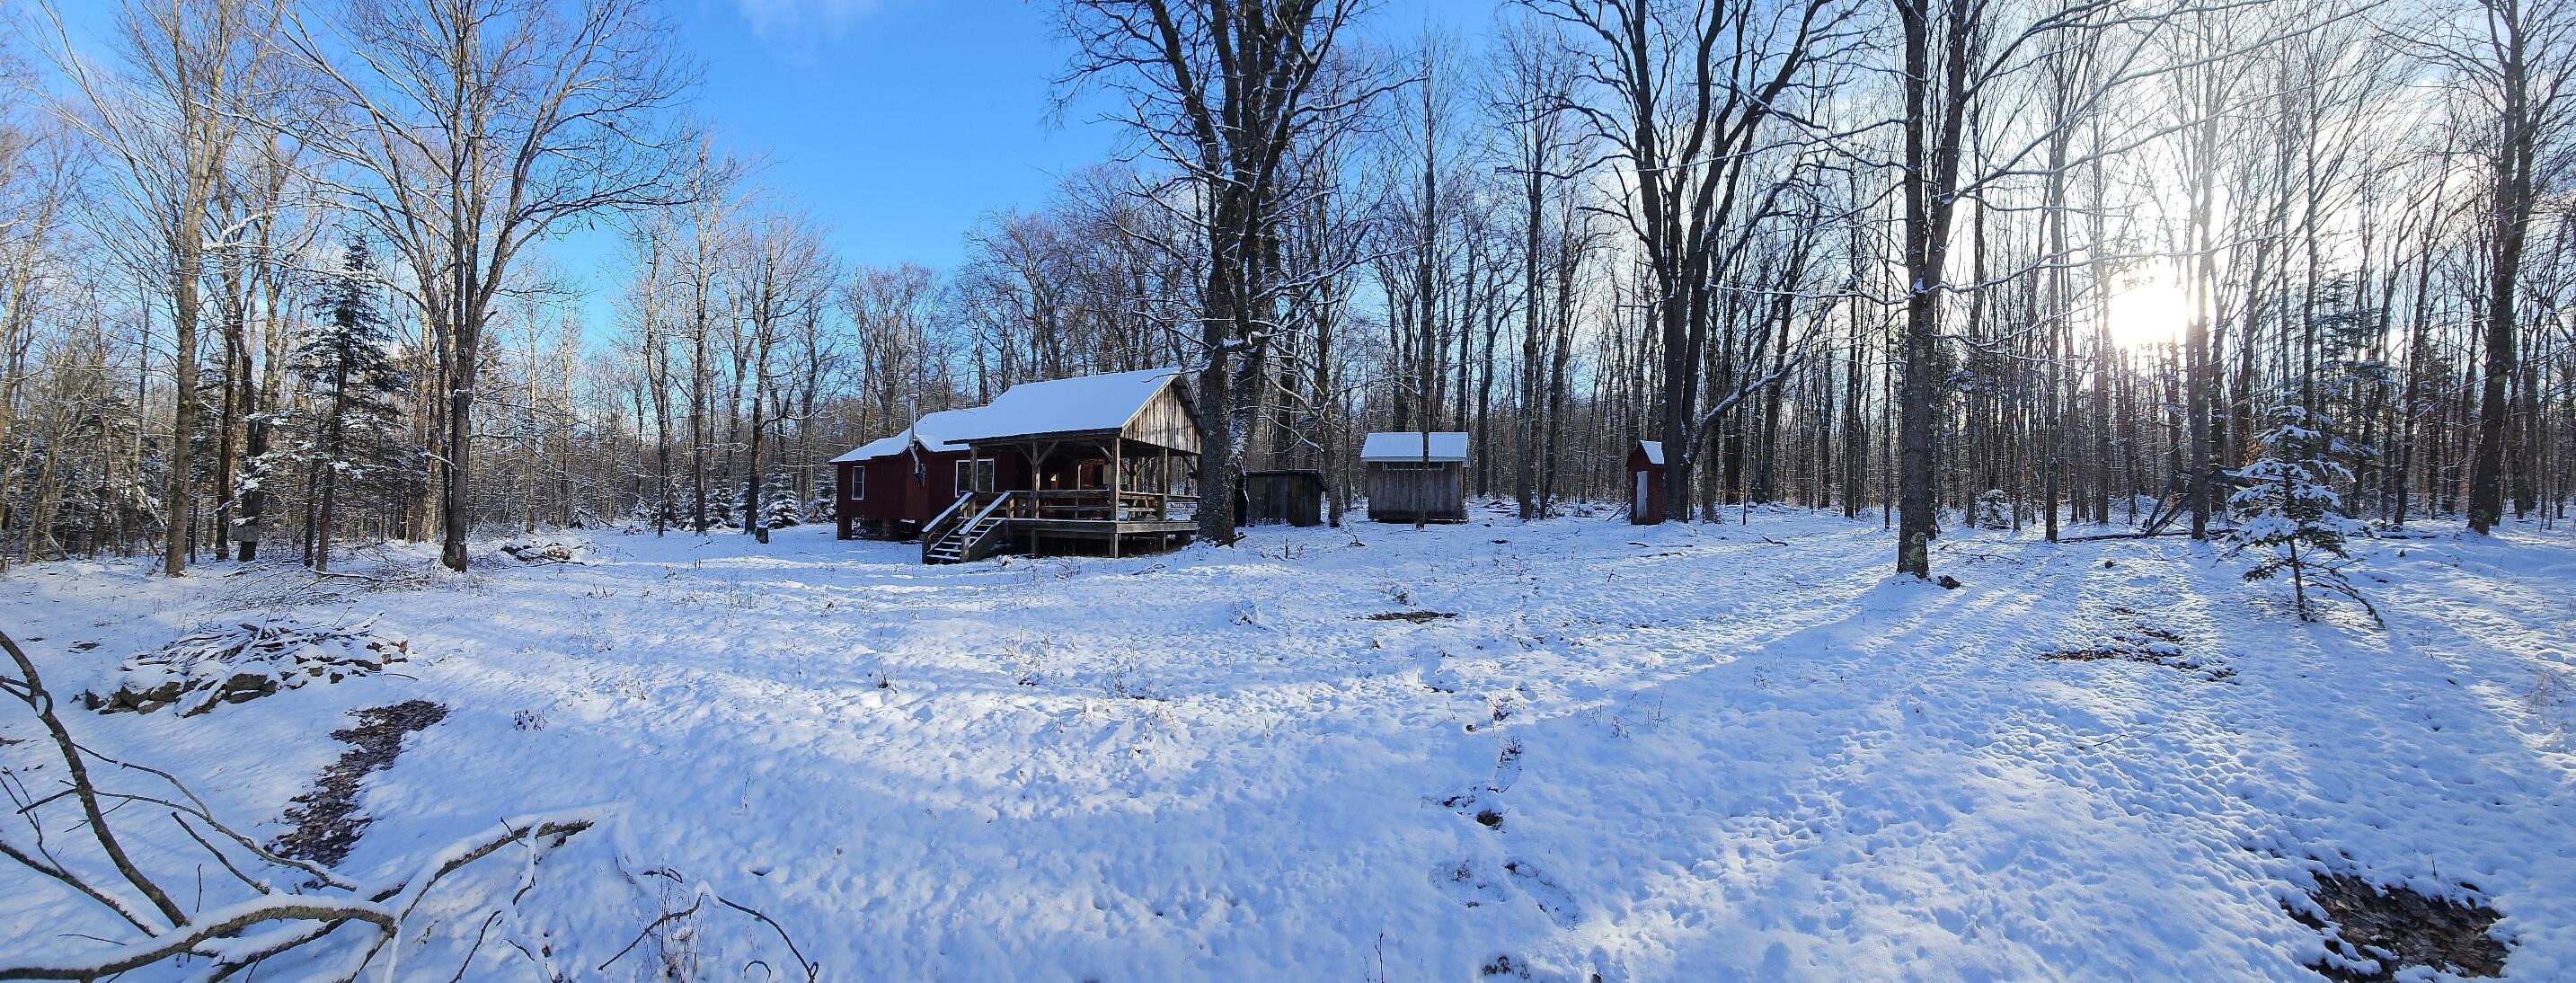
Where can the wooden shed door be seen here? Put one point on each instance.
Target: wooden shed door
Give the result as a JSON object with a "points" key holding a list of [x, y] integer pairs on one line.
{"points": [[1643, 496]]}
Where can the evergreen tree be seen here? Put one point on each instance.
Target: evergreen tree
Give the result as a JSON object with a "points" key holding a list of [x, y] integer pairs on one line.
{"points": [[344, 433], [722, 506], [2288, 506], [778, 501]]}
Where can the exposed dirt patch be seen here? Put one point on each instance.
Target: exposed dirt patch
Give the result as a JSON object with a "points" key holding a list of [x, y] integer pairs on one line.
{"points": [[1416, 617], [2143, 640], [2373, 933], [326, 820]]}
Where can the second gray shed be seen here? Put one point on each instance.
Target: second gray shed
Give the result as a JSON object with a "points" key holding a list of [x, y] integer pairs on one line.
{"points": [[1281, 498], [1416, 477]]}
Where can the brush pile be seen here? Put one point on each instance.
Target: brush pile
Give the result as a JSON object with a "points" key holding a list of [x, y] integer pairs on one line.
{"points": [[243, 661]]}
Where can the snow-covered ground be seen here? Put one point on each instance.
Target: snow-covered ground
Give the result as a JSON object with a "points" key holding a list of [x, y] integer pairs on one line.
{"points": [[1737, 751]]}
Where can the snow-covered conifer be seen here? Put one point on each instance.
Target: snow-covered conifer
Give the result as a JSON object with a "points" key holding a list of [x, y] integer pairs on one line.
{"points": [[343, 432], [2288, 507]]}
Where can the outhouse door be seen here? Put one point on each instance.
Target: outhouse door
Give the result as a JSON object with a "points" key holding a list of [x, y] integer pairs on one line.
{"points": [[1644, 494]]}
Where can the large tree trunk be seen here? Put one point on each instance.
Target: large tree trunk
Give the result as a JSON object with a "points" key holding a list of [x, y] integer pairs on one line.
{"points": [[455, 515], [1217, 465], [176, 496], [2512, 210], [1916, 522], [1928, 183]]}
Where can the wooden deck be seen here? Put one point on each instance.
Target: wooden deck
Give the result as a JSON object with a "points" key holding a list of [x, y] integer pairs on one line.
{"points": [[1099, 528], [981, 524]]}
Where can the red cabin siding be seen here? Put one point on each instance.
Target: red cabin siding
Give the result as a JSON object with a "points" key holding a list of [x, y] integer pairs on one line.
{"points": [[900, 492]]}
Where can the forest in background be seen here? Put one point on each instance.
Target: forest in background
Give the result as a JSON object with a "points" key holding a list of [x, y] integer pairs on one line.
{"points": [[274, 275]]}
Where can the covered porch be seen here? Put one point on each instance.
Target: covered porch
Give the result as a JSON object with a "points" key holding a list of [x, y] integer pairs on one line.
{"points": [[1104, 464], [1116, 495]]}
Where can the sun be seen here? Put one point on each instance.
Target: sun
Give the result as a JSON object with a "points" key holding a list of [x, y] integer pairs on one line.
{"points": [[2148, 308]]}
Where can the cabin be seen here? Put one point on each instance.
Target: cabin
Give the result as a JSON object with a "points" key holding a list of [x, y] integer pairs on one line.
{"points": [[1646, 483], [889, 487], [1096, 463], [1280, 498], [1415, 477]]}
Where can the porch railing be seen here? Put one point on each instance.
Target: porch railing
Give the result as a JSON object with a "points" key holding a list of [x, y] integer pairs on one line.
{"points": [[1103, 505], [1079, 504]]}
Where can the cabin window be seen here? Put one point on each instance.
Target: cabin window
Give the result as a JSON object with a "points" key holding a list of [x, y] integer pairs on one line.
{"points": [[974, 475], [858, 483]]}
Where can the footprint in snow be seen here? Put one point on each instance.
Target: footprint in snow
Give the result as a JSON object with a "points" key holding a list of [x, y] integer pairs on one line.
{"points": [[1553, 901], [1464, 883], [1507, 767], [1470, 805]]}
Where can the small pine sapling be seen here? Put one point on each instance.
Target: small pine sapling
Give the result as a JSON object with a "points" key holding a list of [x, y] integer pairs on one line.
{"points": [[2287, 506]]}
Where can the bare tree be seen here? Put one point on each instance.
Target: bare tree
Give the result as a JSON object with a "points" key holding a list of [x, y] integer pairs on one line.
{"points": [[1221, 91], [2517, 58], [1690, 91], [482, 125], [786, 282], [170, 121]]}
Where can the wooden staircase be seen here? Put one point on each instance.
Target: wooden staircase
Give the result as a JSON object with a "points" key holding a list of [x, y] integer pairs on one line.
{"points": [[969, 530]]}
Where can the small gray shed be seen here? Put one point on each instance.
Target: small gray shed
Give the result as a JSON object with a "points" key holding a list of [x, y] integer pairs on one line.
{"points": [[1416, 477]]}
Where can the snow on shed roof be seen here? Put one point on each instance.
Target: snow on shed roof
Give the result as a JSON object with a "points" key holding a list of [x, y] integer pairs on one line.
{"points": [[938, 433], [879, 447], [1409, 445], [1654, 451], [1076, 405], [943, 432]]}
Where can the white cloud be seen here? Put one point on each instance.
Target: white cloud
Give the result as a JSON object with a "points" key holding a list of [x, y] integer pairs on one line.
{"points": [[798, 25]]}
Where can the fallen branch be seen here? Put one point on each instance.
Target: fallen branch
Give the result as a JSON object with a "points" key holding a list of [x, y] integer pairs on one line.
{"points": [[237, 936], [813, 970]]}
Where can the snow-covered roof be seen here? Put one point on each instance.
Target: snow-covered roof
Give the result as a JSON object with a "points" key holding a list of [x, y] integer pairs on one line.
{"points": [[879, 447], [1076, 405], [944, 431], [1408, 445], [938, 433], [1654, 451]]}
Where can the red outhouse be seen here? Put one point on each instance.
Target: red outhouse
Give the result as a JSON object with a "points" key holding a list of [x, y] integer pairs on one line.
{"points": [[1646, 483]]}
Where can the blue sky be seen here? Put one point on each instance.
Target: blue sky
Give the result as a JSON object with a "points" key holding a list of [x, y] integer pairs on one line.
{"points": [[900, 122]]}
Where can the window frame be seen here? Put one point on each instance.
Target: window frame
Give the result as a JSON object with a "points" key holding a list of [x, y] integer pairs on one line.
{"points": [[973, 474]]}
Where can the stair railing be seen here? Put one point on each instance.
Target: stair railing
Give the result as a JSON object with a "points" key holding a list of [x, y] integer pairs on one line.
{"points": [[980, 533], [938, 527], [970, 534]]}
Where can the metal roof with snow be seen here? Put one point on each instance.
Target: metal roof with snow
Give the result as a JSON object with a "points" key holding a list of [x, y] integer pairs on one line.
{"points": [[938, 433], [944, 432], [877, 448], [1410, 445], [1654, 451], [1083, 404]]}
